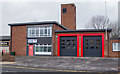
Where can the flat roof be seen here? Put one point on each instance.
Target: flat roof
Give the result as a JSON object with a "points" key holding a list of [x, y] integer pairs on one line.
{"points": [[4, 38], [114, 38], [37, 23], [84, 30]]}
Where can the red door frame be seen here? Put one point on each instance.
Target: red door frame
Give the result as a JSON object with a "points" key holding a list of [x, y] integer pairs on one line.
{"points": [[85, 34]]}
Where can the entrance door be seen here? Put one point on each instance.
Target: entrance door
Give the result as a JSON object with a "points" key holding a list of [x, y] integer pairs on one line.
{"points": [[68, 46], [92, 46], [30, 50]]}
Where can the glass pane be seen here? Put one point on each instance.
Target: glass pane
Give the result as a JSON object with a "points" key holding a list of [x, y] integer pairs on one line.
{"points": [[92, 43], [41, 32], [45, 49], [37, 31], [73, 40], [30, 33], [98, 40], [33, 31], [118, 46], [37, 49], [92, 47], [49, 49], [41, 49], [86, 47], [45, 31], [91, 40], [97, 43], [97, 47], [68, 40], [63, 44], [68, 43], [48, 32], [63, 47], [73, 47], [86, 40], [86, 43], [73, 43], [68, 47]]}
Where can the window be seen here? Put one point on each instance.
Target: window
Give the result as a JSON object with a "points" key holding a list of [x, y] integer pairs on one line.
{"points": [[92, 47], [97, 47], [86, 43], [73, 43], [86, 47], [64, 10], [68, 40], [39, 31], [116, 46], [63, 40], [86, 40], [98, 40], [63, 44], [97, 43], [91, 40], [44, 49], [92, 43], [73, 47], [73, 40]]}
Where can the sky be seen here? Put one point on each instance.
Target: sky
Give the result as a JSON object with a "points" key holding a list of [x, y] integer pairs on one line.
{"points": [[31, 11]]}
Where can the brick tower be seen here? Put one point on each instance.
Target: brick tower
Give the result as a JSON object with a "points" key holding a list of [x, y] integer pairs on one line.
{"points": [[68, 16]]}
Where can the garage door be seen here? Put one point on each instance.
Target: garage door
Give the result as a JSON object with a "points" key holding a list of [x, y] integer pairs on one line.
{"points": [[68, 46], [92, 46]]}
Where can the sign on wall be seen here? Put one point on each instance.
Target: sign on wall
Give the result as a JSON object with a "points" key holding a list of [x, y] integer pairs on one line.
{"points": [[4, 44], [32, 40]]}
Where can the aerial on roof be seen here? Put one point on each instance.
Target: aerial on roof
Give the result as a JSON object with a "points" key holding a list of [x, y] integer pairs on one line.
{"points": [[84, 30], [4, 38], [37, 23]]}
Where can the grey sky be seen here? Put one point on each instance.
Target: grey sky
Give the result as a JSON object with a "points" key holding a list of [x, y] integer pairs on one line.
{"points": [[13, 12]]}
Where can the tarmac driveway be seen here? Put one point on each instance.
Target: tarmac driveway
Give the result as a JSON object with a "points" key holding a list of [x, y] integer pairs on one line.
{"points": [[90, 64]]}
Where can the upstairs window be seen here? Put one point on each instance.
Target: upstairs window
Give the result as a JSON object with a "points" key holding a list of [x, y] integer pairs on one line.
{"points": [[39, 31], [64, 10]]}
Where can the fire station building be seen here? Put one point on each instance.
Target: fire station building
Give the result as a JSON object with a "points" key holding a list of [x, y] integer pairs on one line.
{"points": [[54, 39]]}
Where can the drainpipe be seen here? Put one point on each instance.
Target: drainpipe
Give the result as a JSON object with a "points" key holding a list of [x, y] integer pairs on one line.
{"points": [[11, 41], [108, 44]]}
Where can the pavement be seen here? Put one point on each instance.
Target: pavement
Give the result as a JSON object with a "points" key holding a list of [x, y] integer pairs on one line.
{"points": [[61, 64]]}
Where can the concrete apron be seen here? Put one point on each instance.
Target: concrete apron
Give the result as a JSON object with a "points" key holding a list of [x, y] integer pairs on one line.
{"points": [[69, 57]]}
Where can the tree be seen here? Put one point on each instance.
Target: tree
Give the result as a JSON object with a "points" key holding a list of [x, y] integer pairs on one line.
{"points": [[115, 30], [98, 22], [101, 22]]}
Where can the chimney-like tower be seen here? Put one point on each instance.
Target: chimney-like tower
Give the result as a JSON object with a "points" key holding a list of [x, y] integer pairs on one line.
{"points": [[68, 16]]}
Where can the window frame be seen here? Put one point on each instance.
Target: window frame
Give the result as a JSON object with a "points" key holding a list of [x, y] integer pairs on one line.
{"points": [[117, 46], [43, 52], [31, 29], [64, 10]]}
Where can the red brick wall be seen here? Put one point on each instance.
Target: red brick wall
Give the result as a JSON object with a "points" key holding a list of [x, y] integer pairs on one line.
{"points": [[19, 34], [106, 44], [55, 27], [68, 19], [111, 52]]}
